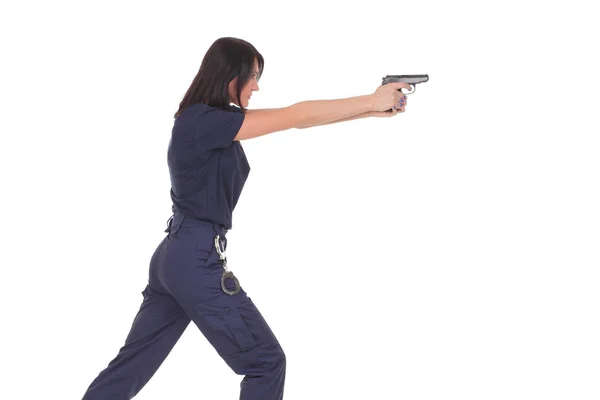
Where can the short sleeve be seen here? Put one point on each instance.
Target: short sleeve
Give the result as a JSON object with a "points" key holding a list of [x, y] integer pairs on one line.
{"points": [[217, 128]]}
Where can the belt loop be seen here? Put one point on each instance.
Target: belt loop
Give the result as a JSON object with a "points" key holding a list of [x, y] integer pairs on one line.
{"points": [[169, 223], [175, 222]]}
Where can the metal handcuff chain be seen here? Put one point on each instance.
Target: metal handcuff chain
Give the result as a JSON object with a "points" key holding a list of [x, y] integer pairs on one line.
{"points": [[226, 273]]}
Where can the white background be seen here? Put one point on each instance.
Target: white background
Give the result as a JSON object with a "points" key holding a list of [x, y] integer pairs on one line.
{"points": [[450, 252]]}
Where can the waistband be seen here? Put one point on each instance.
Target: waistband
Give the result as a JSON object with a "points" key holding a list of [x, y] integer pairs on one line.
{"points": [[179, 219]]}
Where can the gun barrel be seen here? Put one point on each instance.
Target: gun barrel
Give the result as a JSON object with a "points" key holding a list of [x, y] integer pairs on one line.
{"points": [[412, 79]]}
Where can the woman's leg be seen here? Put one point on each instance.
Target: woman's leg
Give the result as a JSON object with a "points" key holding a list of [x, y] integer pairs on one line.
{"points": [[264, 365], [241, 336], [157, 327], [231, 323]]}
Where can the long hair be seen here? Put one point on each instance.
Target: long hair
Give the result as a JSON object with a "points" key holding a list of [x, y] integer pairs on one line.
{"points": [[226, 59]]}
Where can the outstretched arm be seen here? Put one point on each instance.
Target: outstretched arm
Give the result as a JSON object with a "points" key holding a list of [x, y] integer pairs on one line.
{"points": [[357, 116], [320, 112]]}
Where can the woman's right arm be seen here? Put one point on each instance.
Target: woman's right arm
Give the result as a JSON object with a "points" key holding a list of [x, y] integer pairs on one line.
{"points": [[317, 112]]}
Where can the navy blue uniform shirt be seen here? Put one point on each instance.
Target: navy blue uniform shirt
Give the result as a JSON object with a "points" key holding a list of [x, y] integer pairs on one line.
{"points": [[208, 169]]}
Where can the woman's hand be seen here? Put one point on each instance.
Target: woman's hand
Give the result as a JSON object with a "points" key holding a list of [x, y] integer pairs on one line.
{"points": [[389, 96], [395, 110], [399, 106]]}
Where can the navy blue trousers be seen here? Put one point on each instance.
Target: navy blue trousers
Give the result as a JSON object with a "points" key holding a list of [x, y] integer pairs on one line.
{"points": [[185, 285]]}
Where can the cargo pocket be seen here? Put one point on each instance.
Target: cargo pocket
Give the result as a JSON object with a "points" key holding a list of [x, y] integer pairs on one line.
{"points": [[225, 328]]}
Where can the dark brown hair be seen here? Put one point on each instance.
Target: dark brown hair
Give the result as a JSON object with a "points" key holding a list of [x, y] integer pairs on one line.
{"points": [[226, 58]]}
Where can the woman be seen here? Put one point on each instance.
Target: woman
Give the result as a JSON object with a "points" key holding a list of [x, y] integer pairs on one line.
{"points": [[188, 275]]}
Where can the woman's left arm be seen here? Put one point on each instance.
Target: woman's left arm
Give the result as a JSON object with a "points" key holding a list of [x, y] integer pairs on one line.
{"points": [[368, 114], [357, 116]]}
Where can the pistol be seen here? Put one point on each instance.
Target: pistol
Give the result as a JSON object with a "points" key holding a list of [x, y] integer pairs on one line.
{"points": [[410, 79]]}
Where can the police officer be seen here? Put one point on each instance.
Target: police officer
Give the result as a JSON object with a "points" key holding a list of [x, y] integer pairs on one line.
{"points": [[189, 279]]}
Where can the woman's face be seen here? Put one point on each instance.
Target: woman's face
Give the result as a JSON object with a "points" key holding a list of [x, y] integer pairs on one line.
{"points": [[250, 87]]}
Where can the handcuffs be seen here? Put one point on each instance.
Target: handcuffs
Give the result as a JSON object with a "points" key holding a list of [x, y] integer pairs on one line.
{"points": [[226, 273]]}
